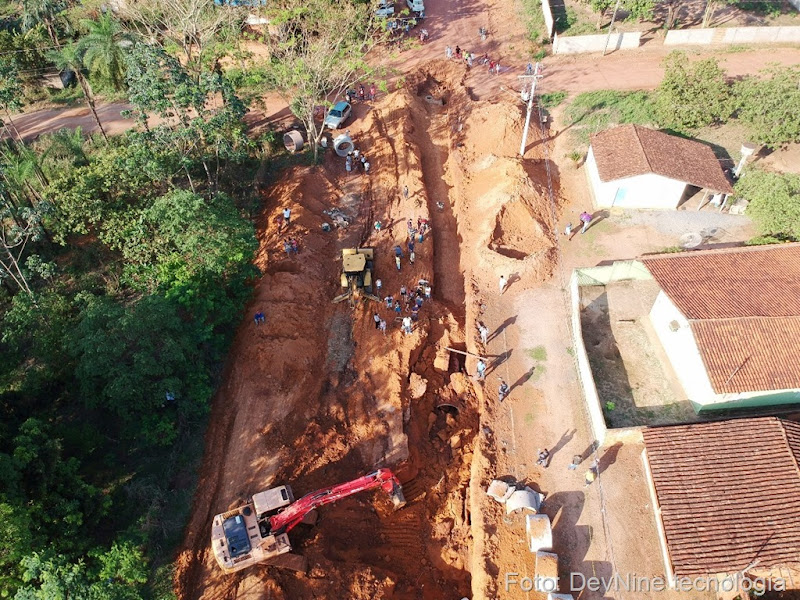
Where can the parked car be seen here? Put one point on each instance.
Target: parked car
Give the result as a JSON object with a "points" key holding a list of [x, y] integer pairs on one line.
{"points": [[417, 7], [385, 9], [338, 115]]}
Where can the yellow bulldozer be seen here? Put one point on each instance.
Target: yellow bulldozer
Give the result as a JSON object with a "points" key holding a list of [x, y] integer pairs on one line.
{"points": [[356, 275]]}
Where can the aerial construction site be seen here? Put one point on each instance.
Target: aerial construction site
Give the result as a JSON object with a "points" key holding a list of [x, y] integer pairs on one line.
{"points": [[318, 395]]}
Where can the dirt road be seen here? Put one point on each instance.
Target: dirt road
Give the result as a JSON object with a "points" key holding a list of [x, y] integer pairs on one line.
{"points": [[457, 23]]}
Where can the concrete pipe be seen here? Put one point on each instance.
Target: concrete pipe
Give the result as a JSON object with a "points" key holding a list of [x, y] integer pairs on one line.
{"points": [[293, 140], [343, 144]]}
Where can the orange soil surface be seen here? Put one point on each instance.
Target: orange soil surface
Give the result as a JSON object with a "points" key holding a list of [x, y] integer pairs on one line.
{"points": [[317, 395]]}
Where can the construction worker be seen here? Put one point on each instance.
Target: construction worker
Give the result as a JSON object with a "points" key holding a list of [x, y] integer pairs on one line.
{"points": [[483, 330], [481, 370], [502, 391]]}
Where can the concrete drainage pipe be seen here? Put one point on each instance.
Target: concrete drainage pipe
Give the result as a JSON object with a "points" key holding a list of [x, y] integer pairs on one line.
{"points": [[343, 144], [293, 140]]}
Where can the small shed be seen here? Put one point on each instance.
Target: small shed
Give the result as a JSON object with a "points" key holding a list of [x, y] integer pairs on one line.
{"points": [[636, 167]]}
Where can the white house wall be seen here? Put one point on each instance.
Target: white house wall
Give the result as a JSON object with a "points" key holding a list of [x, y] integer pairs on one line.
{"points": [[681, 348], [642, 191]]}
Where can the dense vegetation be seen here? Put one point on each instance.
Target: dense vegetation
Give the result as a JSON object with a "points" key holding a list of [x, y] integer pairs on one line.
{"points": [[698, 94], [774, 203], [125, 262]]}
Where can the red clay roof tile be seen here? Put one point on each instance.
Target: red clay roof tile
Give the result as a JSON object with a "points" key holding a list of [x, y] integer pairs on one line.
{"points": [[630, 150], [728, 493], [743, 306]]}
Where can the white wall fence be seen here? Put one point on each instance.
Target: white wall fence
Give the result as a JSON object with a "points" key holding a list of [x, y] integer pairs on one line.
{"points": [[732, 35], [617, 271], [584, 44], [548, 17], [580, 44]]}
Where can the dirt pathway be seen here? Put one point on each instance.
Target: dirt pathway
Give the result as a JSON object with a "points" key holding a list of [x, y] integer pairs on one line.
{"points": [[642, 69]]}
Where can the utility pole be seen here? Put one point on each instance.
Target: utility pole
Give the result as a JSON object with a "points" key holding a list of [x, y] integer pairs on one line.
{"points": [[534, 78], [611, 25]]}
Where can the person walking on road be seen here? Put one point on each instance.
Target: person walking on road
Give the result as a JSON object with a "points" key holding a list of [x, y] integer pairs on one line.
{"points": [[503, 283], [377, 318], [287, 216], [502, 391], [481, 370], [590, 476], [544, 457], [483, 330], [586, 218]]}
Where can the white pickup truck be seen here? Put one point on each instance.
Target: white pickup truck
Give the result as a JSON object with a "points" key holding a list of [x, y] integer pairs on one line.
{"points": [[417, 7]]}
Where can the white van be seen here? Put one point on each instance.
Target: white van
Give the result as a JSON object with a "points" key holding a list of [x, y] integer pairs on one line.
{"points": [[416, 6]]}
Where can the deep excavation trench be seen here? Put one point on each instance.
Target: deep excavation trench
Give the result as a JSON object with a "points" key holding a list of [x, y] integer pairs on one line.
{"points": [[318, 396]]}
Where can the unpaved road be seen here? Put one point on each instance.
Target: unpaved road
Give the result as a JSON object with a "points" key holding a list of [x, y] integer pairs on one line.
{"points": [[457, 25]]}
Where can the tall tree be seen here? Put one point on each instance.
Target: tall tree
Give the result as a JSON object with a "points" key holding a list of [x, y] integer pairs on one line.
{"points": [[692, 95], [18, 227], [711, 9], [102, 49], [770, 105], [774, 201], [201, 117], [69, 57], [192, 25], [46, 13], [10, 91], [317, 52]]}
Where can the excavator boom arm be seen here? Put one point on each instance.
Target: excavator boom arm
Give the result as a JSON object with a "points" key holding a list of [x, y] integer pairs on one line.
{"points": [[293, 514]]}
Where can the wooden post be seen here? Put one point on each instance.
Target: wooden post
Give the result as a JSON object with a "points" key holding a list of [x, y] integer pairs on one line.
{"points": [[464, 353]]}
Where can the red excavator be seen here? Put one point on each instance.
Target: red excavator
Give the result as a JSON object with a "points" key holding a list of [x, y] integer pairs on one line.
{"points": [[257, 532]]}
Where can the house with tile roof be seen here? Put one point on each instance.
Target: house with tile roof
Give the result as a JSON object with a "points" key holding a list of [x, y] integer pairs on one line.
{"points": [[636, 167], [725, 498], [729, 323]]}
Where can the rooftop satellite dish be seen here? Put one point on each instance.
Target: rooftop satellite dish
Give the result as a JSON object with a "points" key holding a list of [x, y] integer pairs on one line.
{"points": [[691, 240]]}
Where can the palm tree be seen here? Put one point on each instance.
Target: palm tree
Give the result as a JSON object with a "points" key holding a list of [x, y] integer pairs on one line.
{"points": [[102, 49], [67, 145], [43, 12], [69, 57]]}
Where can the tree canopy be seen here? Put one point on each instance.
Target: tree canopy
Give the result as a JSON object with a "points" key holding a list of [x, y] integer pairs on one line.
{"points": [[774, 202], [692, 95], [770, 105]]}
